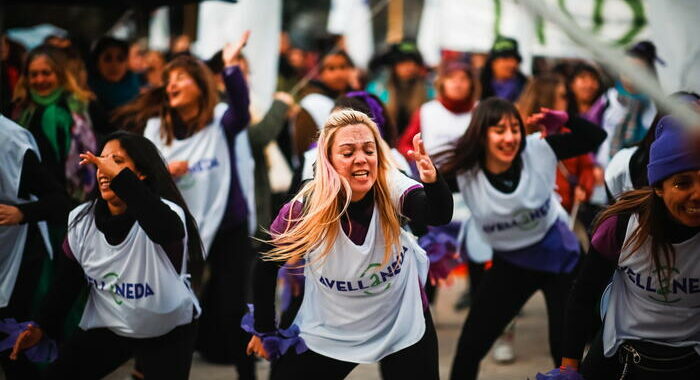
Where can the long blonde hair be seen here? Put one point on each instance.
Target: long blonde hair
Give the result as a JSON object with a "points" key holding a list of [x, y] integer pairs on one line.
{"points": [[326, 198]]}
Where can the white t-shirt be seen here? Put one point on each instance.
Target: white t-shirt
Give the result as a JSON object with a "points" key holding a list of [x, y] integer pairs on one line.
{"points": [[134, 289]]}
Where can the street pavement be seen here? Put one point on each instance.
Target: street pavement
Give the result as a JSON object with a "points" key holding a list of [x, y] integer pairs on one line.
{"points": [[531, 347]]}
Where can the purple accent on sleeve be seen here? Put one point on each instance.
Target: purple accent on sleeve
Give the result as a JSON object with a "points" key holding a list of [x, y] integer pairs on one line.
{"points": [[403, 196], [67, 250], [279, 225], [605, 239], [237, 116], [234, 120]]}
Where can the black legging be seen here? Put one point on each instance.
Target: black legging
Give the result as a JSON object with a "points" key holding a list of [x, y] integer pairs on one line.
{"points": [[221, 340], [95, 353], [419, 361], [502, 293]]}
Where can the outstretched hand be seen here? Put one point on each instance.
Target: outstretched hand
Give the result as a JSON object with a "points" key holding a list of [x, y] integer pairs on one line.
{"points": [[232, 50], [27, 339], [106, 165], [426, 169]]}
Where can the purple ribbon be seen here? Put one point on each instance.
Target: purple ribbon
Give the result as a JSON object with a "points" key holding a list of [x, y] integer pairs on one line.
{"points": [[275, 343], [560, 374], [42, 352], [440, 244]]}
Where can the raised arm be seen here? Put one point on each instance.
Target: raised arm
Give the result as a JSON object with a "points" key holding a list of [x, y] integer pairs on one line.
{"points": [[237, 116], [585, 137]]}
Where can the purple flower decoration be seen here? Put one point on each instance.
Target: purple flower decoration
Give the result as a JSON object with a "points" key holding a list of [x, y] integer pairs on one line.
{"points": [[440, 244], [276, 343]]}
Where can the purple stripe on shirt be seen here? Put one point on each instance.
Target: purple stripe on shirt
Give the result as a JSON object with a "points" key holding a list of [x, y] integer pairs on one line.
{"points": [[605, 239]]}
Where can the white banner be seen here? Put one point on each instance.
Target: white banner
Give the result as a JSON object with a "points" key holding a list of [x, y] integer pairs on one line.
{"points": [[353, 20], [221, 22]]}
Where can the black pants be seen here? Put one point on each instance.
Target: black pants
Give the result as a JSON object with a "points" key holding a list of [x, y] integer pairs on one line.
{"points": [[596, 366], [221, 339], [502, 293], [95, 353], [20, 305], [419, 361]]}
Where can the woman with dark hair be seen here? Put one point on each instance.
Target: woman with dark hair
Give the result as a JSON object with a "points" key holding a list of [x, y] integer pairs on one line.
{"points": [[132, 246], [507, 181], [208, 152], [110, 77], [501, 75], [648, 243], [584, 87]]}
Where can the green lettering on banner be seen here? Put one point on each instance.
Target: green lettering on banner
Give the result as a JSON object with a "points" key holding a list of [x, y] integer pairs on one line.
{"points": [[497, 20], [639, 20]]}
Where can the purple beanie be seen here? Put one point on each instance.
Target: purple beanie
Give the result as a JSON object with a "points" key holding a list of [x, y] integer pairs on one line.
{"points": [[670, 152]]}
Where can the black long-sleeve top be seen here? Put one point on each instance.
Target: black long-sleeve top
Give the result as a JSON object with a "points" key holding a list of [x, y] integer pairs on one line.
{"points": [[53, 204], [429, 205], [160, 223], [585, 137]]}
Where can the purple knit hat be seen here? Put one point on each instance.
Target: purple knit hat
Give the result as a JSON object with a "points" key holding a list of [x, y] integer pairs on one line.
{"points": [[670, 153]]}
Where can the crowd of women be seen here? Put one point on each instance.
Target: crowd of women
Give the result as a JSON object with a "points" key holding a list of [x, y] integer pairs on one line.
{"points": [[147, 211]]}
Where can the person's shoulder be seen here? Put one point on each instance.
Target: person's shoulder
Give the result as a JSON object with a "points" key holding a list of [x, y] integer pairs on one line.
{"points": [[609, 236]]}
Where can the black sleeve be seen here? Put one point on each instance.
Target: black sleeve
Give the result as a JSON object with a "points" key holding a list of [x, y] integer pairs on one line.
{"points": [[53, 204], [431, 205], [67, 284], [264, 288], [585, 137], [581, 306], [158, 220]]}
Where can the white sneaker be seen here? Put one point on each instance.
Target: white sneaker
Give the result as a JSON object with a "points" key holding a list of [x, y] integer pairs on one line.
{"points": [[503, 352]]}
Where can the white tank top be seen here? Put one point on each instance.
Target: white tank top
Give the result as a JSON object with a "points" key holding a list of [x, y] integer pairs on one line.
{"points": [[356, 309], [134, 289], [639, 308], [206, 184], [16, 141], [441, 127], [521, 218], [617, 174]]}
